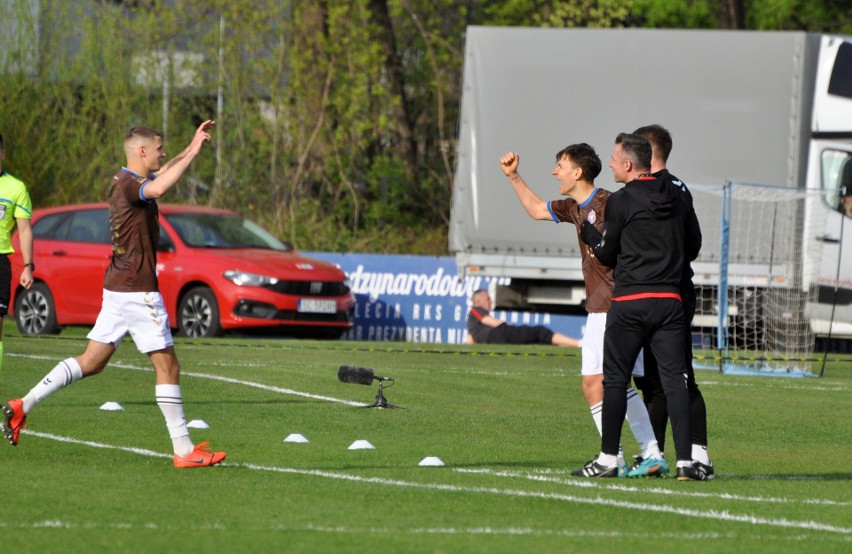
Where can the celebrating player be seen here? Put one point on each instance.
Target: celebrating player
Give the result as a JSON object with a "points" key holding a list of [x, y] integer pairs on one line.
{"points": [[131, 299], [576, 168]]}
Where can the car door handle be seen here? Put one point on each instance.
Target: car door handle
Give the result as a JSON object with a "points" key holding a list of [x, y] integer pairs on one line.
{"points": [[828, 239], [59, 253]]}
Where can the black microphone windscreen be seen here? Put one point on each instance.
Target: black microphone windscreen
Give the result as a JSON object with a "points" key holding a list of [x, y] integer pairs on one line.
{"points": [[357, 375]]}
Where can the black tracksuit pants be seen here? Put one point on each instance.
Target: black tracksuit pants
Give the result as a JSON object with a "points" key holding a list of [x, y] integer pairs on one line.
{"points": [[652, 388], [630, 324]]}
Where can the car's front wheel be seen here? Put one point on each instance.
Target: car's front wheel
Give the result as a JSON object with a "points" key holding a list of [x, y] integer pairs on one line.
{"points": [[35, 311], [198, 314]]}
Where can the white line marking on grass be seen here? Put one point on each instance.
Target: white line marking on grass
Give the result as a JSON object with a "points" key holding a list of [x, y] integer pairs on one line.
{"points": [[740, 476], [71, 440], [597, 484], [233, 381], [449, 531], [572, 533], [243, 382], [596, 501]]}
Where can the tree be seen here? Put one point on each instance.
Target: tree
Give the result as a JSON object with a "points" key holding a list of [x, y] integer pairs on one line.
{"points": [[337, 120]]}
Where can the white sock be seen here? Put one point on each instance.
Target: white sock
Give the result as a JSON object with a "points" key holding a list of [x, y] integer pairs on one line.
{"points": [[684, 463], [170, 401], [640, 425], [65, 373], [597, 411], [699, 454], [607, 460]]}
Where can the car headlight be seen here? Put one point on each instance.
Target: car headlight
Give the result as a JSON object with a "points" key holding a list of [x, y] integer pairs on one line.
{"points": [[242, 279]]}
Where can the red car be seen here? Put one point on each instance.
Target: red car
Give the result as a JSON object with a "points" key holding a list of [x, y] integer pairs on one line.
{"points": [[217, 271]]}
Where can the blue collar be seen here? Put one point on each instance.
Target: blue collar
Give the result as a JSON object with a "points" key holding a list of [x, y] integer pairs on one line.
{"points": [[589, 199]]}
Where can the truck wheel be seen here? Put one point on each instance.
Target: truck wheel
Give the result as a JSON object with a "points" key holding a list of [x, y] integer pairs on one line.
{"points": [[35, 311], [198, 314]]}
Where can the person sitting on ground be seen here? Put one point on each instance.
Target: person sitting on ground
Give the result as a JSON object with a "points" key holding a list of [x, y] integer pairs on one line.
{"points": [[483, 328]]}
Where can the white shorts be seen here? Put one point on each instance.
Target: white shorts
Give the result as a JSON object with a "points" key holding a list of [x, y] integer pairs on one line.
{"points": [[142, 314], [593, 347]]}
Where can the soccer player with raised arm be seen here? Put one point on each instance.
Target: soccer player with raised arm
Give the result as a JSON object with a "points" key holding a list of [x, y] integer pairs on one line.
{"points": [[577, 166], [131, 299]]}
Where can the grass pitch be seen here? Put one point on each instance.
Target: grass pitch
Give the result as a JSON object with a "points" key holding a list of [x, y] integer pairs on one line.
{"points": [[509, 423]]}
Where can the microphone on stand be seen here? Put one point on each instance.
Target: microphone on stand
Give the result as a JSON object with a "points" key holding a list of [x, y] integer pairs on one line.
{"points": [[358, 375], [365, 376]]}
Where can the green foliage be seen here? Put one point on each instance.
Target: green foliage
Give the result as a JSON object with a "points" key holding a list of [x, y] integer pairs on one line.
{"points": [[334, 124], [831, 16], [555, 13], [674, 14]]}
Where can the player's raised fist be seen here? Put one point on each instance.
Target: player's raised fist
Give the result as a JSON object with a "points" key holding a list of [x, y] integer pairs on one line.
{"points": [[509, 163]]}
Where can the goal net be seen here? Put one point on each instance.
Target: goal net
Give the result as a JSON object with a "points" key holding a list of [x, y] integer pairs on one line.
{"points": [[753, 278]]}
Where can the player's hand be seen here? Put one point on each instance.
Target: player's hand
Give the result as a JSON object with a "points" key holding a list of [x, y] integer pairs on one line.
{"points": [[590, 235], [202, 135], [203, 131], [509, 163]]}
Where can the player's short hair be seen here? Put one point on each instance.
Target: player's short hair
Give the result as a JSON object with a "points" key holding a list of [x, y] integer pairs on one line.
{"points": [[583, 156], [141, 132], [636, 148], [659, 137]]}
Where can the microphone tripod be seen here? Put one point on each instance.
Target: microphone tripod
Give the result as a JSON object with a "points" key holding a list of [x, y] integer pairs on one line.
{"points": [[381, 401]]}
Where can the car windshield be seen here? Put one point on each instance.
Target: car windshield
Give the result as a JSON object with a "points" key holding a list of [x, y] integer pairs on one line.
{"points": [[201, 230]]}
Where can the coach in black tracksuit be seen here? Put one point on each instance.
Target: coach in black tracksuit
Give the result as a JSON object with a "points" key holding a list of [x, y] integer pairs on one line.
{"points": [[649, 235], [650, 385]]}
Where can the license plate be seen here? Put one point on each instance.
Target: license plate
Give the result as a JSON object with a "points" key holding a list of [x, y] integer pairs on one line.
{"points": [[309, 305]]}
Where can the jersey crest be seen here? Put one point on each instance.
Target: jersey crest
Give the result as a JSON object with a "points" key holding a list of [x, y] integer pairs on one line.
{"points": [[591, 217]]}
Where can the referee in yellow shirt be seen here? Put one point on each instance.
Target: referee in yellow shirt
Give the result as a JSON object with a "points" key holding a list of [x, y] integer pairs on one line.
{"points": [[15, 207]]}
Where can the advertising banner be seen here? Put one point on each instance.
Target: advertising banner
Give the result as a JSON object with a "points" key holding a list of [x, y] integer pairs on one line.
{"points": [[422, 299]]}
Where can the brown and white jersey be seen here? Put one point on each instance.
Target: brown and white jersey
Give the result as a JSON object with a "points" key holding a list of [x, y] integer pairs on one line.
{"points": [[598, 277], [135, 231]]}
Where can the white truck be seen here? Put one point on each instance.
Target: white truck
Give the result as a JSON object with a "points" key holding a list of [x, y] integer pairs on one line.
{"points": [[771, 108]]}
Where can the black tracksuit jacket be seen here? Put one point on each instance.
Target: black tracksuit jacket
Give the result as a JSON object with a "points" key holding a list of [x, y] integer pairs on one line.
{"points": [[650, 236]]}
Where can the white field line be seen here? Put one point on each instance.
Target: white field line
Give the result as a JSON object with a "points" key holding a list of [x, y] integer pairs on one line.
{"points": [[251, 384], [473, 531], [572, 533], [596, 501], [230, 380], [602, 485], [571, 482]]}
